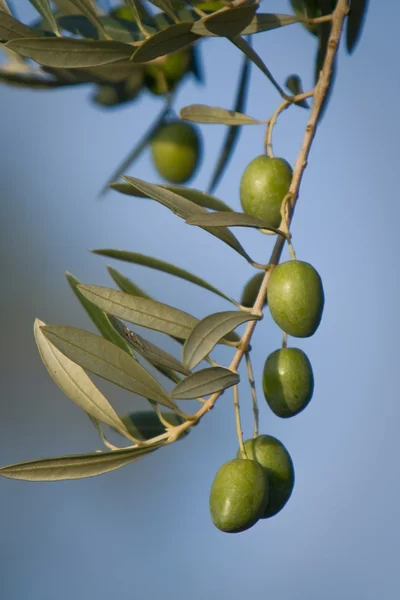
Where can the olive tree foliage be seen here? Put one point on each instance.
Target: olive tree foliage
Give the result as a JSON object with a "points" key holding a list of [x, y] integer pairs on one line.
{"points": [[152, 46]]}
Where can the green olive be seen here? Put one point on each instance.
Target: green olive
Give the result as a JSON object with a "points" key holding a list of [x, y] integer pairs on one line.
{"points": [[164, 76], [239, 495], [308, 9], [296, 298], [288, 381], [251, 290], [277, 463], [176, 151], [264, 184]]}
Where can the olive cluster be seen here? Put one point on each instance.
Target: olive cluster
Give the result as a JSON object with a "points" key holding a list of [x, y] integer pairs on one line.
{"points": [[259, 481]]}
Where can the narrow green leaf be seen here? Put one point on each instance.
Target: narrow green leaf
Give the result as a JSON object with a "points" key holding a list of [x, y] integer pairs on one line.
{"points": [[241, 43], [11, 28], [66, 7], [26, 80], [294, 85], [75, 384], [196, 196], [355, 23], [208, 332], [101, 357], [159, 265], [88, 9], [201, 113], [185, 208], [138, 149], [78, 25], [70, 53], [232, 135], [145, 425], [141, 311], [126, 284], [4, 7], [98, 317], [204, 383], [175, 37], [267, 21], [230, 22], [149, 351], [76, 466], [231, 219], [43, 7]]}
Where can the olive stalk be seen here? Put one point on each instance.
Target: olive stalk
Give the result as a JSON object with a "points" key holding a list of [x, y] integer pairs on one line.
{"points": [[253, 391]]}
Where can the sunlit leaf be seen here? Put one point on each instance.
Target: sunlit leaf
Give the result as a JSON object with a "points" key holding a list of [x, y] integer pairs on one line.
{"points": [[74, 382], [232, 135], [141, 311], [208, 332], [294, 85], [159, 265], [185, 208], [201, 113], [175, 37], [267, 21], [76, 466], [102, 358], [98, 317], [205, 382], [70, 53], [355, 23], [11, 28], [196, 196], [231, 219], [151, 352]]}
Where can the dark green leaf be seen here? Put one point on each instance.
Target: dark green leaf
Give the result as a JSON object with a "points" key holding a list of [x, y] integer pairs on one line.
{"points": [[294, 85], [266, 22], [201, 113], [141, 311], [149, 351], [43, 7], [208, 332], [166, 41], [159, 265], [228, 23], [98, 317], [74, 382], [34, 82], [205, 382], [11, 28], [77, 466], [126, 284], [87, 8], [185, 208], [231, 219], [138, 149], [145, 425], [232, 135], [101, 357], [196, 196], [355, 23], [78, 25], [70, 53]]}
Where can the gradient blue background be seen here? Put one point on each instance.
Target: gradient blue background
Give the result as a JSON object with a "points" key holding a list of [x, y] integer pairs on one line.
{"points": [[145, 530]]}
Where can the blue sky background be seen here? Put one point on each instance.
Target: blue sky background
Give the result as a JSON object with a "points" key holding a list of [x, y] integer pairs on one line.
{"points": [[145, 530]]}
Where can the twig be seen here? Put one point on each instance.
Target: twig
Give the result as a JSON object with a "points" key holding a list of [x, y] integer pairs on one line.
{"points": [[238, 422], [253, 390]]}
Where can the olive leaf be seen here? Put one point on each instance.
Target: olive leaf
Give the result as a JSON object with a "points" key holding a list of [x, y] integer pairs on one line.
{"points": [[118, 30], [75, 384], [231, 219], [196, 196], [204, 382], [355, 23], [164, 42], [76, 466], [108, 361], [201, 113], [43, 7], [227, 23], [149, 351], [160, 265], [88, 9], [138, 149], [208, 332], [11, 28], [70, 53], [126, 285], [4, 7], [26, 80], [141, 311], [267, 21], [145, 425], [294, 85], [185, 208]]}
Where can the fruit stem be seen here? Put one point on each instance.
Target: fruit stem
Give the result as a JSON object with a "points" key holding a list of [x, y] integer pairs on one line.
{"points": [[253, 390], [284, 340], [238, 422]]}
